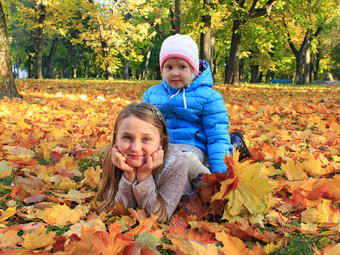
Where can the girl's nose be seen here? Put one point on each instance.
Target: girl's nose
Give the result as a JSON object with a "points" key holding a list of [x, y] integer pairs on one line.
{"points": [[136, 146], [175, 72]]}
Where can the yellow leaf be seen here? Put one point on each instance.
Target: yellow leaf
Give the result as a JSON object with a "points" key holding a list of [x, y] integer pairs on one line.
{"points": [[253, 183], [67, 184], [223, 190], [92, 176], [192, 247], [235, 203], [60, 215], [327, 212], [22, 124], [7, 214], [314, 167], [309, 228], [57, 133], [252, 202], [271, 248], [38, 238], [293, 171]]}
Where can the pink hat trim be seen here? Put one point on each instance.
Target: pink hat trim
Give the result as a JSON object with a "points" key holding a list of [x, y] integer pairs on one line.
{"points": [[177, 55]]}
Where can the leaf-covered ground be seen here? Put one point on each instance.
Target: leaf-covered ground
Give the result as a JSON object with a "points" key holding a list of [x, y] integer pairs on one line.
{"points": [[283, 201]]}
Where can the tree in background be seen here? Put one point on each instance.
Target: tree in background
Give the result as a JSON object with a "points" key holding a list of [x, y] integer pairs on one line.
{"points": [[243, 12], [110, 33], [117, 39], [303, 22], [7, 85]]}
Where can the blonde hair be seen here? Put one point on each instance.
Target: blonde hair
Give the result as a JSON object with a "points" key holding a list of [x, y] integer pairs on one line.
{"points": [[111, 174]]}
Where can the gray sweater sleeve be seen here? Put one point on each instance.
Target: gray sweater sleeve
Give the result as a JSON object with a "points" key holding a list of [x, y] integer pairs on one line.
{"points": [[125, 193]]}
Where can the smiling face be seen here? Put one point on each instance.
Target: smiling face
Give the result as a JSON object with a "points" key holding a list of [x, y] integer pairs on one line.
{"points": [[177, 72], [137, 139]]}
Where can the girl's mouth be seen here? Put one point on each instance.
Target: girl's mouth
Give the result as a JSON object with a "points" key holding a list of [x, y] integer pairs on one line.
{"points": [[136, 156]]}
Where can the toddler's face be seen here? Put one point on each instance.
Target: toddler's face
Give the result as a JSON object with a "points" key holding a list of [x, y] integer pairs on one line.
{"points": [[177, 72]]}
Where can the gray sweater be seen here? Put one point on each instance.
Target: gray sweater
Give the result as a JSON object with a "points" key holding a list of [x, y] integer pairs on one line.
{"points": [[171, 182]]}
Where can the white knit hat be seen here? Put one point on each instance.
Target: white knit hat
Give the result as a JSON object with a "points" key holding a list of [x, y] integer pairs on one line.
{"points": [[180, 46]]}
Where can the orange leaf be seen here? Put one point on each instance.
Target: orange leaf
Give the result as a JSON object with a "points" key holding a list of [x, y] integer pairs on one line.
{"points": [[232, 245], [10, 238], [113, 242]]}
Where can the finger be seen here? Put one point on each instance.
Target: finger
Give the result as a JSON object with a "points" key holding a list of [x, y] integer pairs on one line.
{"points": [[158, 157]]}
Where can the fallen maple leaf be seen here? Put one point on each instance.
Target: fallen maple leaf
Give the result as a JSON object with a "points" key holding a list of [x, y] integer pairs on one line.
{"points": [[92, 177], [233, 245], [113, 242], [38, 238], [10, 238], [293, 171], [60, 215], [4, 215]]}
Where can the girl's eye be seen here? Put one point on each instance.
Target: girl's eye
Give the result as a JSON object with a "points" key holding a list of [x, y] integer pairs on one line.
{"points": [[128, 138], [146, 139], [168, 67], [183, 67]]}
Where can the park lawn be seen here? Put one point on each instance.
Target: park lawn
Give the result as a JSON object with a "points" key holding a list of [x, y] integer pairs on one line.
{"points": [[285, 200]]}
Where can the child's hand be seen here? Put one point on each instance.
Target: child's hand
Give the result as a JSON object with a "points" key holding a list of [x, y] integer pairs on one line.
{"points": [[151, 162], [119, 160]]}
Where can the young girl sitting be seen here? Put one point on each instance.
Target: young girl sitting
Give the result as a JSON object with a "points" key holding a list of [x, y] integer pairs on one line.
{"points": [[140, 169], [195, 113]]}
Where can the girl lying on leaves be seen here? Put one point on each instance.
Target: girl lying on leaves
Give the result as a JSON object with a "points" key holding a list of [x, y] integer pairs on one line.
{"points": [[140, 168]]}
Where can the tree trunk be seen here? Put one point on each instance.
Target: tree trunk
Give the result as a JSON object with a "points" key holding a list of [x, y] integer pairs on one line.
{"points": [[317, 65], [147, 58], [241, 70], [106, 52], [175, 18], [206, 50], [232, 75], [126, 75], [51, 58], [7, 85], [30, 66], [254, 73], [213, 62], [299, 67], [40, 38], [307, 60], [268, 76]]}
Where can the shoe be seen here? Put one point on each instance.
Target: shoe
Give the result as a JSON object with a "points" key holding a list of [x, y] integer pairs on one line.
{"points": [[237, 140]]}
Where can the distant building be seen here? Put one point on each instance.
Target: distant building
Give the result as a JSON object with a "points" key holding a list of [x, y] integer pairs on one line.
{"points": [[19, 72]]}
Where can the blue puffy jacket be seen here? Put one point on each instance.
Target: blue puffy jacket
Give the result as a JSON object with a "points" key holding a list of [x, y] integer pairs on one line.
{"points": [[195, 115]]}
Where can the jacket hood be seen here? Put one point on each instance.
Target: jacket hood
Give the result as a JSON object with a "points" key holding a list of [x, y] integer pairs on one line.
{"points": [[204, 78]]}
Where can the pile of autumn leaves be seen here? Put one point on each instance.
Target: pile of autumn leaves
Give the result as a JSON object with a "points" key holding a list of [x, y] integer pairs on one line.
{"points": [[51, 146]]}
